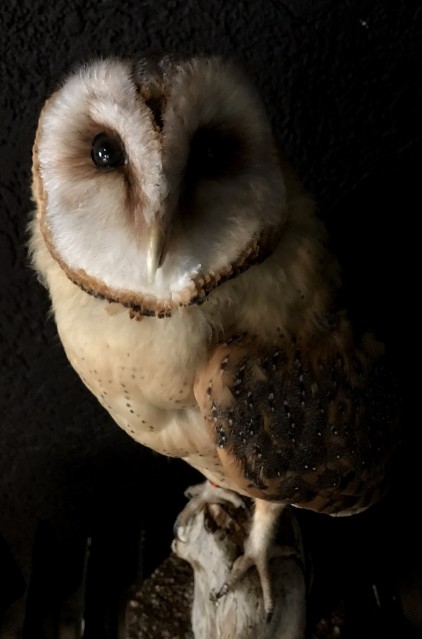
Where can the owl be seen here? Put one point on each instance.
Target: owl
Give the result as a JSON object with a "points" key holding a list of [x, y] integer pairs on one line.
{"points": [[196, 297]]}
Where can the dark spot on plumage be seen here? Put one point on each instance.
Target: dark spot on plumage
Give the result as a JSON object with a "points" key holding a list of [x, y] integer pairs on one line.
{"points": [[221, 437], [147, 312], [224, 363], [197, 299], [234, 338]]}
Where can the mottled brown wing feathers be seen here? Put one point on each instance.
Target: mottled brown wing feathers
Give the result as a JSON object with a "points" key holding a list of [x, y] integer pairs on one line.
{"points": [[306, 422]]}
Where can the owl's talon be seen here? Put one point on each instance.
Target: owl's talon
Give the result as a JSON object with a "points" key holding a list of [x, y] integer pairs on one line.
{"points": [[194, 490], [223, 591], [261, 562], [199, 496], [209, 493], [178, 530]]}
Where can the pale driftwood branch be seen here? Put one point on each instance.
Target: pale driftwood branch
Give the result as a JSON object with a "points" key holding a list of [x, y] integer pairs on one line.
{"points": [[213, 538], [178, 603]]}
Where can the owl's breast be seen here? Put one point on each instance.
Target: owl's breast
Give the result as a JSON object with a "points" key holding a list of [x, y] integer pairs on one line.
{"points": [[142, 372]]}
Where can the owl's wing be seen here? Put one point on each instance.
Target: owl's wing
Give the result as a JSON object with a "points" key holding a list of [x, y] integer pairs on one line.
{"points": [[308, 423]]}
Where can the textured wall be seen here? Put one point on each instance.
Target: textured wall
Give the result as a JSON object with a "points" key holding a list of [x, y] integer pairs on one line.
{"points": [[341, 83]]}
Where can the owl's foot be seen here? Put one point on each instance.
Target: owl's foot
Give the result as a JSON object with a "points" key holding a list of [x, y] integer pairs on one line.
{"points": [[200, 495], [259, 549], [260, 558], [210, 533]]}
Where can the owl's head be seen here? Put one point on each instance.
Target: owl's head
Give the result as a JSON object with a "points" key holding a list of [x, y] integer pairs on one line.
{"points": [[156, 182]]}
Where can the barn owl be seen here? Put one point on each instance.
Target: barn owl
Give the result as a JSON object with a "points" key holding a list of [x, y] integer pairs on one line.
{"points": [[195, 295]]}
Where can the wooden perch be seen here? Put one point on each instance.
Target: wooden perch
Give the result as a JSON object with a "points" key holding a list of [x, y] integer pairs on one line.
{"points": [[213, 539], [176, 604]]}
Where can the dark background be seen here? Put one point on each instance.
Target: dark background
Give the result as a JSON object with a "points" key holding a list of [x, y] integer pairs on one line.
{"points": [[342, 84]]}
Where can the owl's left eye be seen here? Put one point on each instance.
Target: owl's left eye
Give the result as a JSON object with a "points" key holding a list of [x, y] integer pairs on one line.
{"points": [[107, 151]]}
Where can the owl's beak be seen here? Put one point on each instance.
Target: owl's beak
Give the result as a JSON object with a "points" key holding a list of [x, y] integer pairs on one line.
{"points": [[155, 250]]}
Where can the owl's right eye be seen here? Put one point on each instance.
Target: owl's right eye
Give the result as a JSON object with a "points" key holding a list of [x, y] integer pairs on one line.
{"points": [[213, 153], [107, 151]]}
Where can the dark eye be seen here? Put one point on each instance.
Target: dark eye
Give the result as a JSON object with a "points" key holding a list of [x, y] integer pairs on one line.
{"points": [[107, 151], [212, 153]]}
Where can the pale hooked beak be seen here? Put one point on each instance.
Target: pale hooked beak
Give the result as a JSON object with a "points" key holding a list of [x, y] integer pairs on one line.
{"points": [[155, 250]]}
